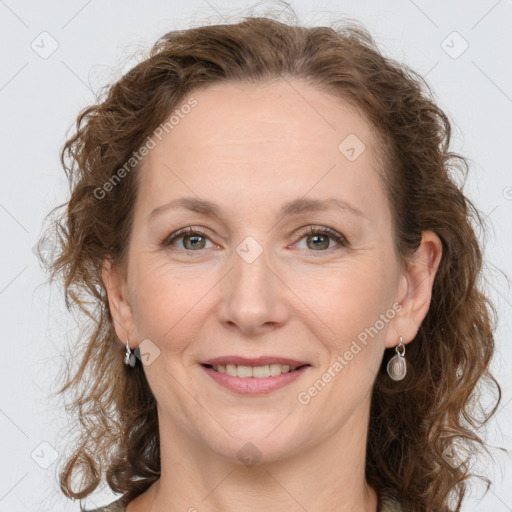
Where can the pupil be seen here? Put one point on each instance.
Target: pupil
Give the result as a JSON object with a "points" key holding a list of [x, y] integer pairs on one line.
{"points": [[194, 240], [317, 237]]}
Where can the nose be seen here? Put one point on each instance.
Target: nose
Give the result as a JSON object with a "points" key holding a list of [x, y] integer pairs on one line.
{"points": [[254, 295]]}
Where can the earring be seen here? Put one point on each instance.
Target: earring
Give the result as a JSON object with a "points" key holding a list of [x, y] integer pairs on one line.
{"points": [[129, 357], [397, 366]]}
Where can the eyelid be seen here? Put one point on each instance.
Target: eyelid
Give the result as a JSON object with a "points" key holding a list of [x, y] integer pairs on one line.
{"points": [[324, 230], [189, 230]]}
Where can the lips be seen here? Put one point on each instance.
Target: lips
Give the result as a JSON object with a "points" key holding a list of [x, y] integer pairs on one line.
{"points": [[241, 380], [258, 361], [256, 375]]}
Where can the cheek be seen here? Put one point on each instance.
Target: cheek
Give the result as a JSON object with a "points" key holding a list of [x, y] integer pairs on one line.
{"points": [[354, 304], [348, 296], [167, 300], [352, 349]]}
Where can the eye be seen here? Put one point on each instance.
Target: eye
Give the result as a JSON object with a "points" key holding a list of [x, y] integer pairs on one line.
{"points": [[317, 238], [192, 239]]}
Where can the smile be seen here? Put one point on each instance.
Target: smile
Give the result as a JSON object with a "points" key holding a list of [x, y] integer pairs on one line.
{"points": [[254, 380]]}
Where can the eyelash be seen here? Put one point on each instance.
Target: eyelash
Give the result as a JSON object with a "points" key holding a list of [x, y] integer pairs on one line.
{"points": [[310, 230]]}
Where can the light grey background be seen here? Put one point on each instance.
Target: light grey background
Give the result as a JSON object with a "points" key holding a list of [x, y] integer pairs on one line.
{"points": [[40, 98]]}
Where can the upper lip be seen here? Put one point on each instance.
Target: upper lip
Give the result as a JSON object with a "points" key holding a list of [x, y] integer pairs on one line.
{"points": [[258, 361]]}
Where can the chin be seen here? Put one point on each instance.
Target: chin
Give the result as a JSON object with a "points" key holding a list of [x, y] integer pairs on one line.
{"points": [[259, 444]]}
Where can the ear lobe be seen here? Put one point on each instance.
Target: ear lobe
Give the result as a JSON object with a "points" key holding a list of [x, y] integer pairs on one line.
{"points": [[120, 308], [418, 281]]}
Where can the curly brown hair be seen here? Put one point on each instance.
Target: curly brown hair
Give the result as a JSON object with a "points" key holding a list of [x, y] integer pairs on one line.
{"points": [[413, 422]]}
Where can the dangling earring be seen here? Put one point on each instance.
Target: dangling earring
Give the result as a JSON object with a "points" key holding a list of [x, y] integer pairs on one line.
{"points": [[129, 357], [397, 366]]}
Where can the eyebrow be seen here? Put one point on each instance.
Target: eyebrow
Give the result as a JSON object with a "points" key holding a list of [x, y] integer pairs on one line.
{"points": [[294, 207]]}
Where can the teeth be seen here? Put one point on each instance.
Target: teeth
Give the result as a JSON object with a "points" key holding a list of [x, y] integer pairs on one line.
{"points": [[258, 372], [244, 371]]}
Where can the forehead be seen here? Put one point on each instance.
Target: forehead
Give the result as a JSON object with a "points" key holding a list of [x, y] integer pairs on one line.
{"points": [[283, 112], [243, 140]]}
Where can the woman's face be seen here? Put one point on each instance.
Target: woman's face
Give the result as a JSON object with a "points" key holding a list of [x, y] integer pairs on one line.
{"points": [[251, 281]]}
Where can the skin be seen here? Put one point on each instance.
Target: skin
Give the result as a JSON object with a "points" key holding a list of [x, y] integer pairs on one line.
{"points": [[250, 149]]}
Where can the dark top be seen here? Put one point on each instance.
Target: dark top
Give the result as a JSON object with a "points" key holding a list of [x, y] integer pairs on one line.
{"points": [[386, 504]]}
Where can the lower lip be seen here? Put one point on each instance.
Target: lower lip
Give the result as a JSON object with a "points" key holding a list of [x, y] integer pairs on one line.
{"points": [[252, 385]]}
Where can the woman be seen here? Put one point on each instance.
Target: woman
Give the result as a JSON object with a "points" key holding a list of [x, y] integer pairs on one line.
{"points": [[283, 276]]}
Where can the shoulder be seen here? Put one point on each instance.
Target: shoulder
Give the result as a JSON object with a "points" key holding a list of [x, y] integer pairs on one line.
{"points": [[116, 506], [389, 502], [390, 505]]}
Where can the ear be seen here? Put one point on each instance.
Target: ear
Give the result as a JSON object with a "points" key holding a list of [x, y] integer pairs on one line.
{"points": [[415, 288], [120, 308]]}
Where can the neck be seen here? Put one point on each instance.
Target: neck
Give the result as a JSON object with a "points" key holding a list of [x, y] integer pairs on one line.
{"points": [[327, 476]]}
